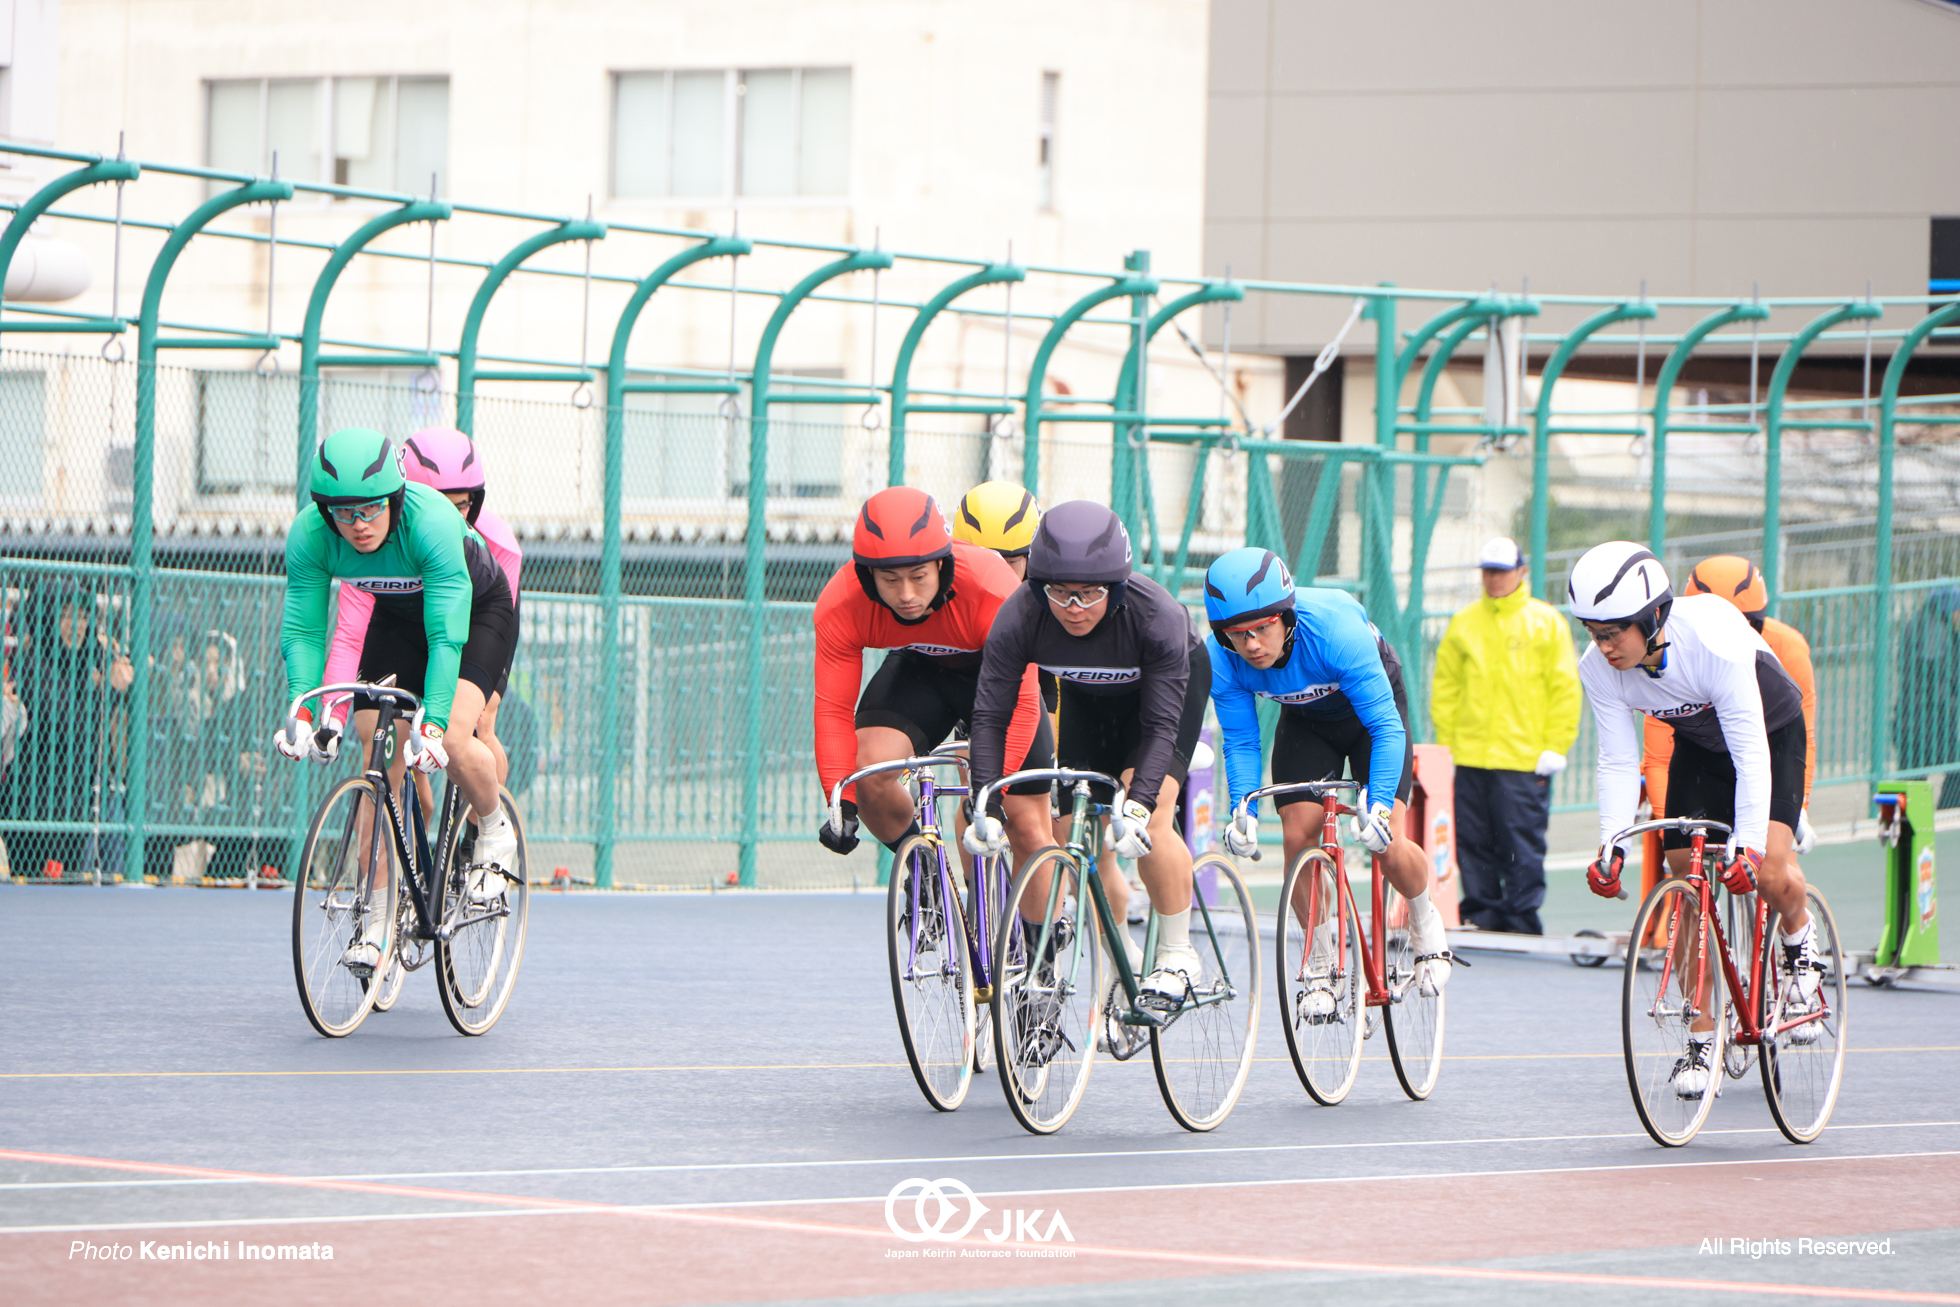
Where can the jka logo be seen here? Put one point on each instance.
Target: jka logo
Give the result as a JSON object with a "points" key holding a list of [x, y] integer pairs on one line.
{"points": [[936, 1214]]}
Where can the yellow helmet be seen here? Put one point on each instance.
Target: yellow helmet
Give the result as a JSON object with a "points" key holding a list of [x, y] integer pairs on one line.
{"points": [[997, 515]]}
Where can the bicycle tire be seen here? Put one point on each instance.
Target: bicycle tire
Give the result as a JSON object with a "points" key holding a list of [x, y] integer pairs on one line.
{"points": [[1044, 1007], [330, 904], [476, 967], [1414, 1020], [1653, 1033], [1325, 1046], [1202, 1056], [1801, 1078], [932, 979]]}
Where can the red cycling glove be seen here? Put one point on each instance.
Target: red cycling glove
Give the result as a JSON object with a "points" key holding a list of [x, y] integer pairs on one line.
{"points": [[1739, 877], [1603, 877]]}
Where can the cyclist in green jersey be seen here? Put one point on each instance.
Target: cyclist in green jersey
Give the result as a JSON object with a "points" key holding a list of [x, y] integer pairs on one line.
{"points": [[374, 528]]}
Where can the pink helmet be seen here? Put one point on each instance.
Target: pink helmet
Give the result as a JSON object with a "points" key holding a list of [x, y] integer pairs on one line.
{"points": [[445, 459]]}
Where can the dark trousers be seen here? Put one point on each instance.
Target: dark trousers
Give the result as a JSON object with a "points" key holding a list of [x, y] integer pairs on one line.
{"points": [[1500, 847]]}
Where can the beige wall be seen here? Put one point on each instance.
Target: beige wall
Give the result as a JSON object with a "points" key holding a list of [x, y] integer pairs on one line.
{"points": [[1705, 145]]}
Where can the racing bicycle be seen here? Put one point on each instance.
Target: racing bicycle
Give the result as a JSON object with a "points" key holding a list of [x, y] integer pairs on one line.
{"points": [[1682, 965], [1055, 1006], [467, 918], [1334, 976]]}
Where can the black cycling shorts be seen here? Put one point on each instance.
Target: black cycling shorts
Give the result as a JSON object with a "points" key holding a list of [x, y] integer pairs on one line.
{"points": [[1701, 782], [927, 699], [402, 648], [1320, 748], [1104, 732]]}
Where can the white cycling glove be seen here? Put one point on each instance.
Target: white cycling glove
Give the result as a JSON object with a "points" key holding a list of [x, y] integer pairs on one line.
{"points": [[1373, 831], [295, 740], [1242, 836], [985, 838], [1550, 764], [1806, 833], [1130, 830], [425, 751], [323, 746]]}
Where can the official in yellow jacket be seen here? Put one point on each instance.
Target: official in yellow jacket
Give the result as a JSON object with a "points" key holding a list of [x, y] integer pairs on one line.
{"points": [[1505, 699]]}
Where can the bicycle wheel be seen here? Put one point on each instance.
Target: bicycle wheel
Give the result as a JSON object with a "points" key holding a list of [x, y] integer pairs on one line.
{"points": [[477, 966], [1203, 1054], [1414, 1020], [1047, 986], [1321, 981], [932, 983], [1803, 1039], [1660, 1001], [346, 875], [981, 912]]}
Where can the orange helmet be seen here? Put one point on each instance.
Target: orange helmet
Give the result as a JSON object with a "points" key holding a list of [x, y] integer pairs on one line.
{"points": [[902, 527], [1734, 578]]}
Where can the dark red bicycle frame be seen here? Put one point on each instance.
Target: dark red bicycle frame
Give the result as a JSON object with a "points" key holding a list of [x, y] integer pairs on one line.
{"points": [[1704, 891], [1332, 809]]}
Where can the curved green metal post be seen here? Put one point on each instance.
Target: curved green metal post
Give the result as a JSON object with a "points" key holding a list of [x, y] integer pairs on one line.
{"points": [[753, 591], [1377, 482], [1888, 406], [1038, 371], [316, 308], [1130, 398], [142, 487], [493, 281], [1474, 310], [609, 557], [902, 368], [1541, 448], [107, 170], [1664, 383], [1779, 382]]}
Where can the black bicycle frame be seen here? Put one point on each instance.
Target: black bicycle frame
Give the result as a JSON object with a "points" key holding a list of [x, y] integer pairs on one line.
{"points": [[418, 863]]}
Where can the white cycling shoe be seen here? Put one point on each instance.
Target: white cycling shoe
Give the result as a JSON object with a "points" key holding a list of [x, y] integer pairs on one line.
{"points": [[363, 955], [1804, 992], [1317, 1002], [1178, 965], [1433, 961], [496, 846], [1694, 1071]]}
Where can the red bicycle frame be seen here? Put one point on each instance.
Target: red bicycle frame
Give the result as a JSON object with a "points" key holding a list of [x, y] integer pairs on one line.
{"points": [[1371, 957]]}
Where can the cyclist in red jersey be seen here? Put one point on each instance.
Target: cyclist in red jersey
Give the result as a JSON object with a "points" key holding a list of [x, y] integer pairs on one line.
{"points": [[910, 588]]}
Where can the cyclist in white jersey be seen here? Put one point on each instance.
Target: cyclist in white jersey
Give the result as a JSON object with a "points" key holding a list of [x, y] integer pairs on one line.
{"points": [[1696, 663]]}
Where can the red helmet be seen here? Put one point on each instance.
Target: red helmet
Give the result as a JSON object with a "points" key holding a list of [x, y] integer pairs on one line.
{"points": [[902, 527]]}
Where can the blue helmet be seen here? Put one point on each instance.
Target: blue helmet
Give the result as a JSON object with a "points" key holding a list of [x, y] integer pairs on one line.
{"points": [[1247, 585]]}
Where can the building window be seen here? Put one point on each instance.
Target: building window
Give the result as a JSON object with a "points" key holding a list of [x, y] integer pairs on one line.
{"points": [[1051, 92], [718, 134], [23, 435], [376, 133]]}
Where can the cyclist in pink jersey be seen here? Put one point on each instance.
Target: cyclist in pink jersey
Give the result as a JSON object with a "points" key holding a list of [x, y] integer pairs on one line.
{"points": [[443, 459]]}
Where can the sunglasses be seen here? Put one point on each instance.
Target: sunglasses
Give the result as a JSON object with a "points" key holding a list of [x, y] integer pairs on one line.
{"points": [[1605, 632], [1087, 597], [1252, 628], [348, 514]]}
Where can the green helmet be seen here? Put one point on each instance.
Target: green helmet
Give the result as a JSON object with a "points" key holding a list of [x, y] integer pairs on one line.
{"points": [[357, 465]]}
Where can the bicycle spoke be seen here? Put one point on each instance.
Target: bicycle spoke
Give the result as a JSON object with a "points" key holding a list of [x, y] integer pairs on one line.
{"points": [[1203, 1054], [1321, 983], [1803, 1034], [931, 984], [1668, 988]]}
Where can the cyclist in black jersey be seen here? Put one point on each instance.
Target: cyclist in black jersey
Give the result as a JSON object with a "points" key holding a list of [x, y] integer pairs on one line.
{"points": [[1134, 680]]}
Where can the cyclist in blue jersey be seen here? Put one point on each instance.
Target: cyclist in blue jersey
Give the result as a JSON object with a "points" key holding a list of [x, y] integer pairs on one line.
{"points": [[1339, 686]]}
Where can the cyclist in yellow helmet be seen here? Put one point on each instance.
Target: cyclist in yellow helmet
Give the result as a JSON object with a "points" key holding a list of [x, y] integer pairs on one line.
{"points": [[1000, 516]]}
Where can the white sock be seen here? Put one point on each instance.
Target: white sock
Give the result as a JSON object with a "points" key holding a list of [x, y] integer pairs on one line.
{"points": [[1323, 940], [1791, 941], [495, 821], [1174, 930], [1702, 1037]]}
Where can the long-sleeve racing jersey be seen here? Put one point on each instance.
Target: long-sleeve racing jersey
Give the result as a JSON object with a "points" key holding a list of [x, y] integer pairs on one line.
{"points": [[849, 621], [1333, 669], [1142, 646], [1793, 653], [358, 603], [1718, 685], [423, 555]]}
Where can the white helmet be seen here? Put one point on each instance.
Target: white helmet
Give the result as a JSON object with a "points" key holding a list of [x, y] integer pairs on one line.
{"points": [[1620, 581]]}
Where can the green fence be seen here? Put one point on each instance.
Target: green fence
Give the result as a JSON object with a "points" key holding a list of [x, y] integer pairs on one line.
{"points": [[679, 514]]}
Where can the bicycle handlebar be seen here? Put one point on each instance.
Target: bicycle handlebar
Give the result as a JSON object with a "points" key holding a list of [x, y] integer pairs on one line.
{"points": [[1319, 789], [937, 758], [1067, 775], [293, 732], [1687, 824]]}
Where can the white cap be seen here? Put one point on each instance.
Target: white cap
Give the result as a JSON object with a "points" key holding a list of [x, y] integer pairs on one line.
{"points": [[1500, 555]]}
